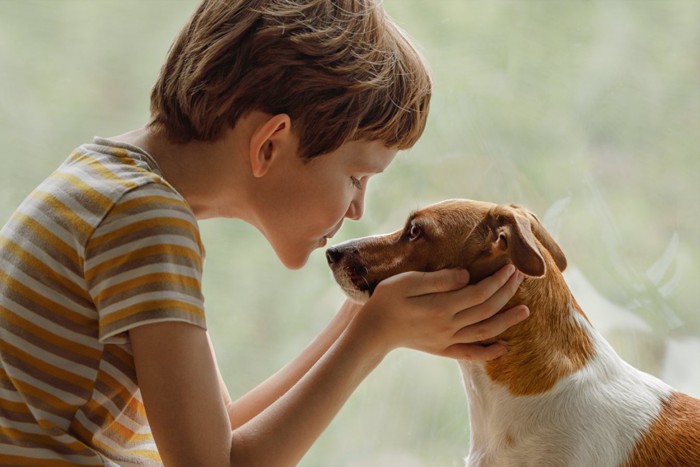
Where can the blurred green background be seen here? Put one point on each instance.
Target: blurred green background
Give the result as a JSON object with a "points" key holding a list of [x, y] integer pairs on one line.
{"points": [[587, 112]]}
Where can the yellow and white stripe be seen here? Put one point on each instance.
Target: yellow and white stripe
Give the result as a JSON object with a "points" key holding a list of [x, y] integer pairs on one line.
{"points": [[103, 245]]}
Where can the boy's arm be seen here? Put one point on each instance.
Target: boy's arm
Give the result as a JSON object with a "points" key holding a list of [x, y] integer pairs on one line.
{"points": [[262, 396], [179, 381], [192, 419]]}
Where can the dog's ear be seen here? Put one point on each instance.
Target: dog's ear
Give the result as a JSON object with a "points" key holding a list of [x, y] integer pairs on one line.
{"points": [[509, 234], [512, 235], [544, 237]]}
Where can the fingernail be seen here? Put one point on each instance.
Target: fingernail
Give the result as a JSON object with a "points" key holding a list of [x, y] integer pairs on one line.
{"points": [[462, 276], [509, 270]]}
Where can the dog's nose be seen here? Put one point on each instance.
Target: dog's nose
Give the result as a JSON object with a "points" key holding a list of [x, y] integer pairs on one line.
{"points": [[333, 255]]}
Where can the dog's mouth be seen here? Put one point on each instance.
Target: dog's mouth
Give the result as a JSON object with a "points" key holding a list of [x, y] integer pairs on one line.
{"points": [[352, 278]]}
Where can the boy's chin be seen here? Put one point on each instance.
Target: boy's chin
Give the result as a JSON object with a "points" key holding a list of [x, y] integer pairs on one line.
{"points": [[292, 256], [294, 259]]}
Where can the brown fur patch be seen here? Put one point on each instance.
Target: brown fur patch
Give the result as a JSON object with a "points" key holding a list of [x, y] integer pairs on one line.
{"points": [[509, 441], [551, 344], [673, 439]]}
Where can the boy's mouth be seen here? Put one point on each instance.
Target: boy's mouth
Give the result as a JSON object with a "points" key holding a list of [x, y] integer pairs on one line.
{"points": [[330, 234]]}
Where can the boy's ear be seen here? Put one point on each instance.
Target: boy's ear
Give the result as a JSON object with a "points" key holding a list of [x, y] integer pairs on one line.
{"points": [[269, 138]]}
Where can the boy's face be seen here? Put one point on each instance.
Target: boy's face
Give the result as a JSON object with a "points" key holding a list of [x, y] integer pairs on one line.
{"points": [[306, 203]]}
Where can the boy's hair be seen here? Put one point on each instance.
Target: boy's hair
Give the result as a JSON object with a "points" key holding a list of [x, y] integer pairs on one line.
{"points": [[341, 69]]}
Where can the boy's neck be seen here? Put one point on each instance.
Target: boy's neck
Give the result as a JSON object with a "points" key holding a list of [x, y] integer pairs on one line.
{"points": [[204, 173]]}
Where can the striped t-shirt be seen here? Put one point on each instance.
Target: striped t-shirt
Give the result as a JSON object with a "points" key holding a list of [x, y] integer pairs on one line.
{"points": [[103, 245]]}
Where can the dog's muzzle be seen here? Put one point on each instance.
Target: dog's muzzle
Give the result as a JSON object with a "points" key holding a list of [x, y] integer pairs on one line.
{"points": [[348, 271]]}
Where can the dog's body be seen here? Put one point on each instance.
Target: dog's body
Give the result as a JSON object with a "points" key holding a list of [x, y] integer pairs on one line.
{"points": [[561, 396]]}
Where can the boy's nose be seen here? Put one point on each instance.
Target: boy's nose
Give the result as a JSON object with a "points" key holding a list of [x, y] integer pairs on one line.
{"points": [[356, 208]]}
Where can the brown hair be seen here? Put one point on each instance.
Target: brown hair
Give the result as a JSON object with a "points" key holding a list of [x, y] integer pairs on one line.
{"points": [[341, 69]]}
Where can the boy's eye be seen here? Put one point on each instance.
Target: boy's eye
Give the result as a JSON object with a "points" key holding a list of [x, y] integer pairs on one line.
{"points": [[356, 182]]}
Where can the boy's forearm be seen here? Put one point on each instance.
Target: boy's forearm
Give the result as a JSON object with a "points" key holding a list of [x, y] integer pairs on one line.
{"points": [[283, 433], [266, 393]]}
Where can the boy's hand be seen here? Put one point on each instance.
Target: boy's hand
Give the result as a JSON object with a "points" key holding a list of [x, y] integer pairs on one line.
{"points": [[437, 312]]}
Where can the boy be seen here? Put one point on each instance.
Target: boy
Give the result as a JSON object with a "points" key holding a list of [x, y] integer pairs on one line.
{"points": [[264, 109]]}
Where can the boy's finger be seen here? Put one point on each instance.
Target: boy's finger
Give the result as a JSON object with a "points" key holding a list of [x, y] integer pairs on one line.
{"points": [[444, 280], [492, 327], [482, 291], [492, 304], [475, 352]]}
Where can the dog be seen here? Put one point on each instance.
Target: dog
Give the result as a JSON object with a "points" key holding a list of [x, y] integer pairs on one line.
{"points": [[561, 396]]}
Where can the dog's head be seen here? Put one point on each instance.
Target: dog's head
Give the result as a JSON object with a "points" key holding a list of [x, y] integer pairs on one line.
{"points": [[478, 236]]}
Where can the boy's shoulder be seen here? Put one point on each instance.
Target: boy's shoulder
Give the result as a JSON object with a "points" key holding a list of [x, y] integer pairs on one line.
{"points": [[102, 182], [110, 167], [102, 173], [118, 177]]}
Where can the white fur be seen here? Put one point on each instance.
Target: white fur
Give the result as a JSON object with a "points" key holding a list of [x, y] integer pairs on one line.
{"points": [[343, 279], [590, 418]]}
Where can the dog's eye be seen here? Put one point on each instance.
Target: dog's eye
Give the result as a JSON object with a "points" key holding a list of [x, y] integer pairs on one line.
{"points": [[414, 231]]}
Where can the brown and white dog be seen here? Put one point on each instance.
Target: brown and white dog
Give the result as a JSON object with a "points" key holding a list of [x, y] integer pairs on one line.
{"points": [[561, 396]]}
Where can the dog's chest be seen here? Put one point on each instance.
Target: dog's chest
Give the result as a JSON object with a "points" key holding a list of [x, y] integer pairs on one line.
{"points": [[591, 417]]}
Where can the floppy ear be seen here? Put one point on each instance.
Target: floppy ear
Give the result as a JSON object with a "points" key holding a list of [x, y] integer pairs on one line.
{"points": [[513, 237], [509, 234], [546, 239]]}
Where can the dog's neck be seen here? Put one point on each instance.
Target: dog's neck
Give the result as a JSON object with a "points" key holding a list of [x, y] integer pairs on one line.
{"points": [[545, 399], [554, 342]]}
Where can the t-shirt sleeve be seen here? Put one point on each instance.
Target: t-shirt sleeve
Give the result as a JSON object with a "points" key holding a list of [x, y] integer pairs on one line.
{"points": [[144, 262]]}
